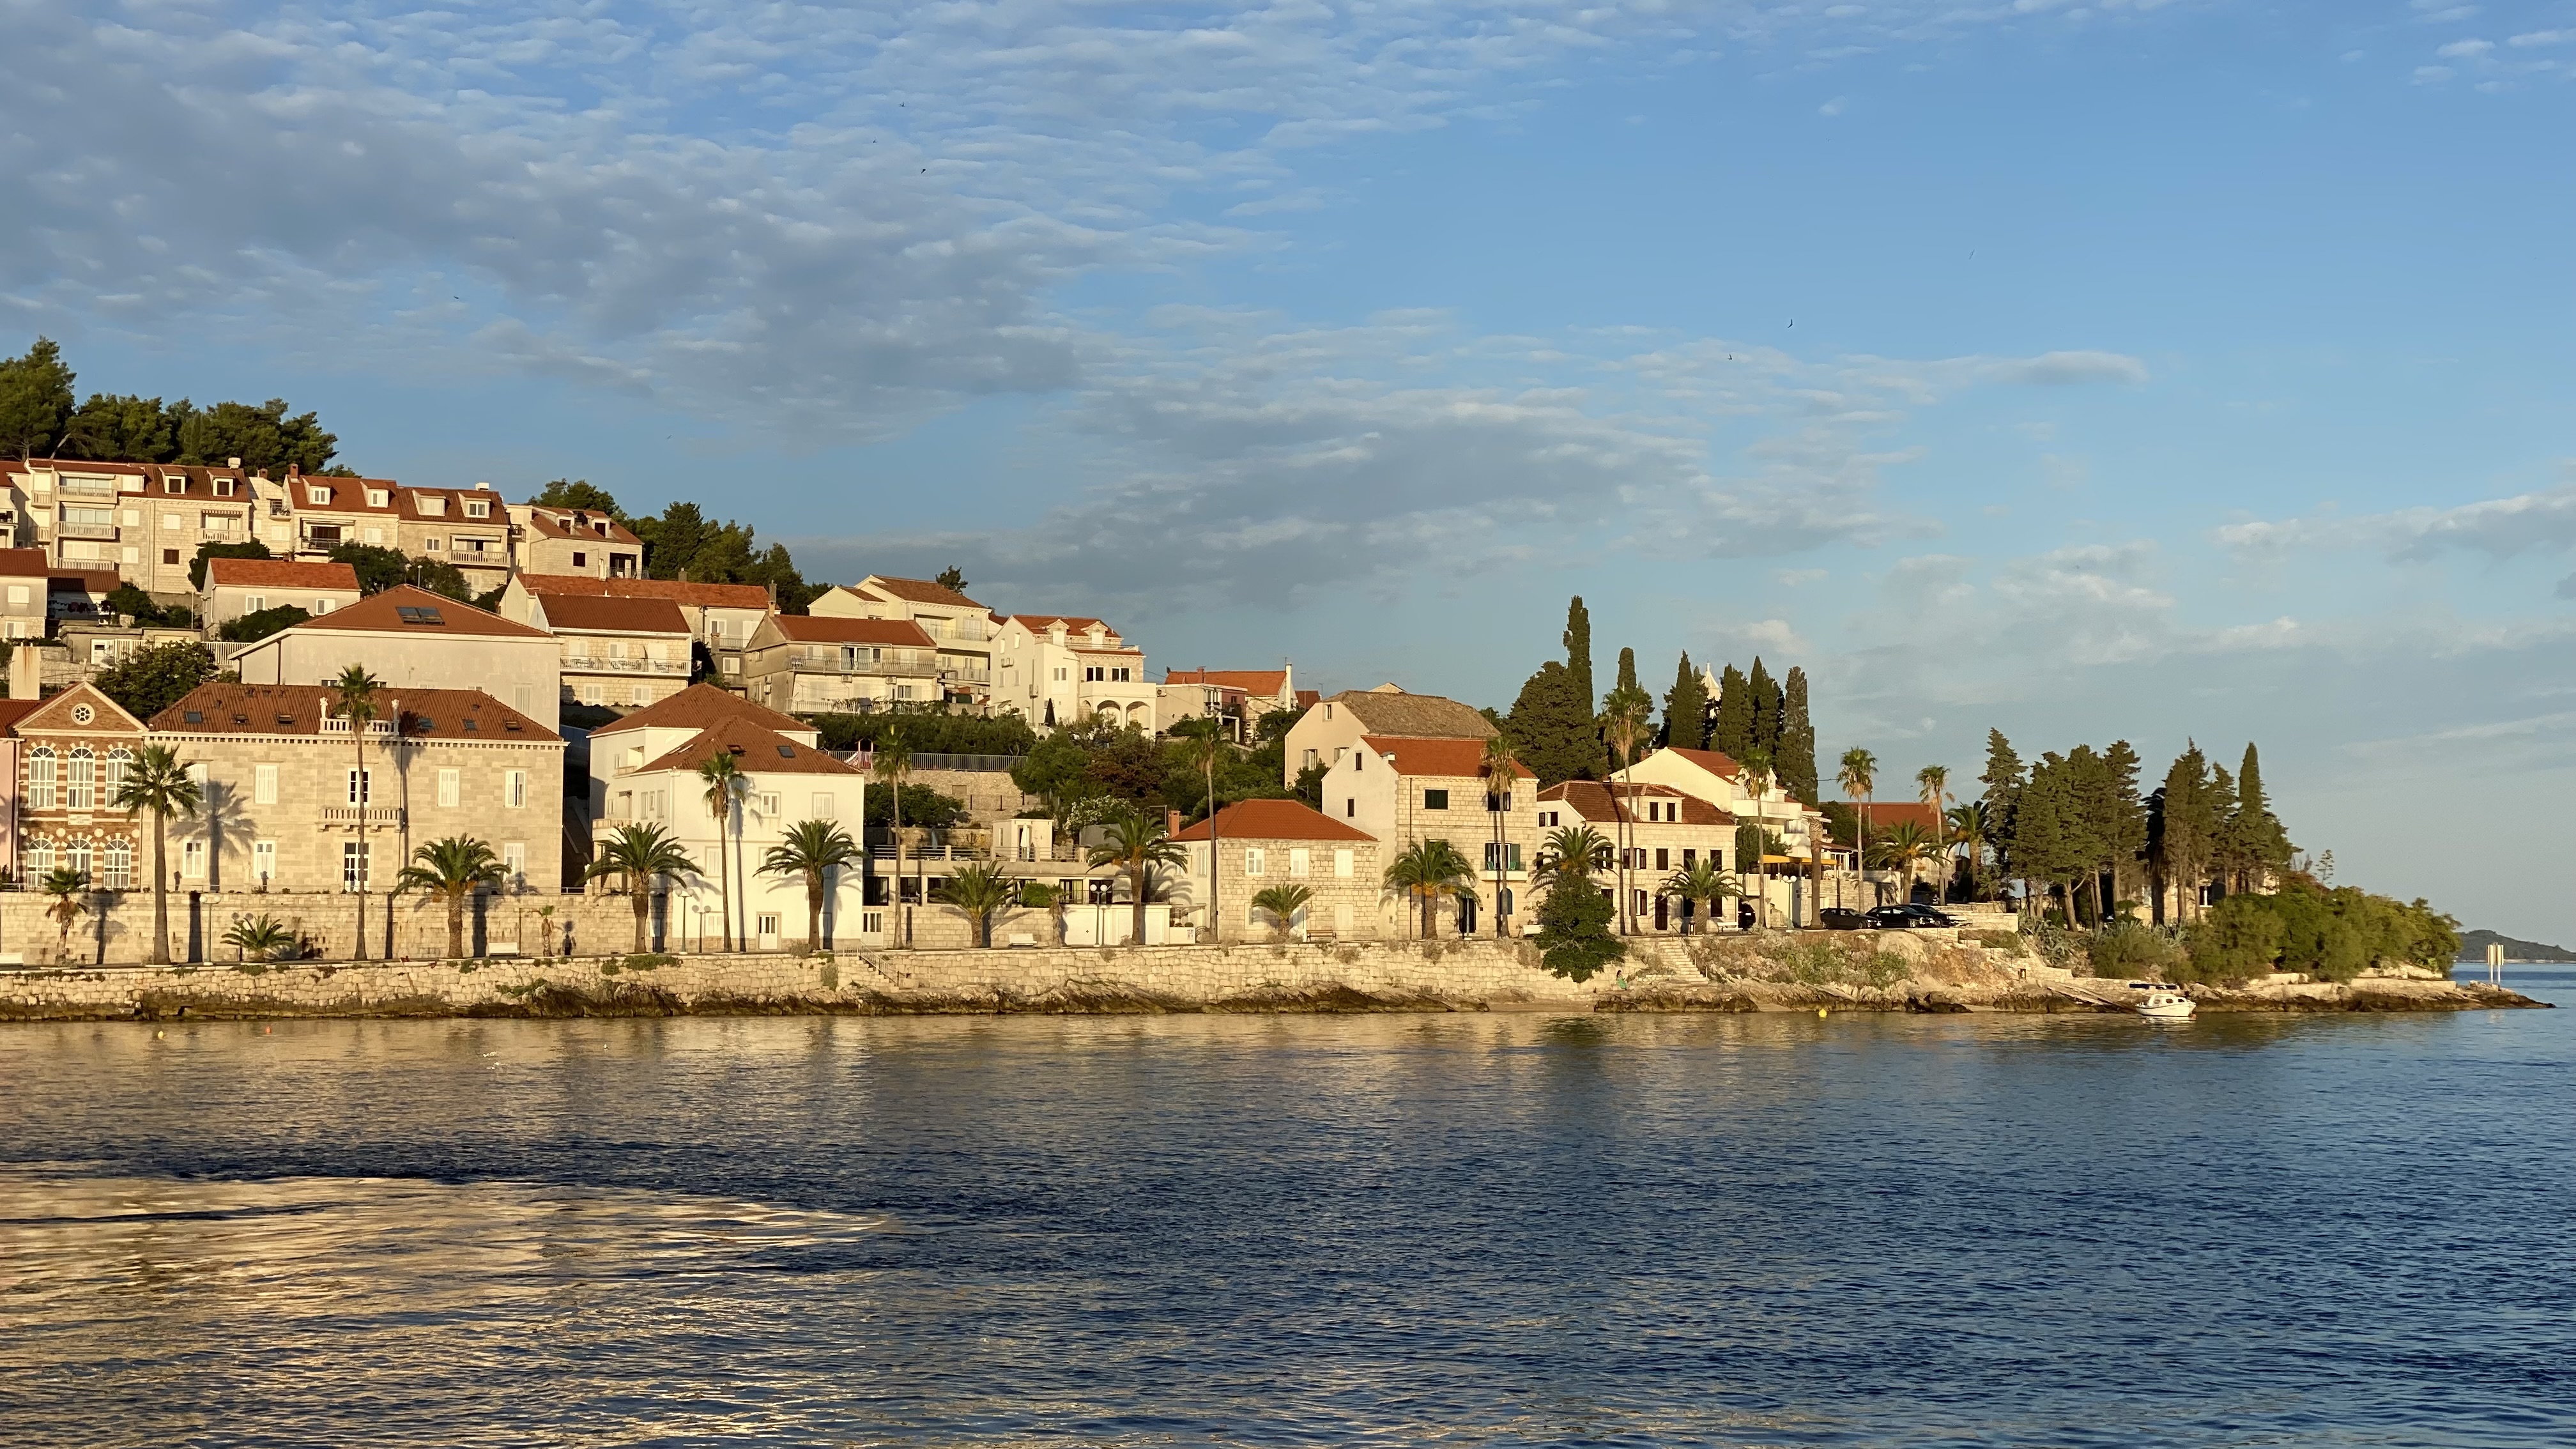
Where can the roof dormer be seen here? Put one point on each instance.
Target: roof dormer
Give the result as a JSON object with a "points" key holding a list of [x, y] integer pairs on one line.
{"points": [[1097, 634]]}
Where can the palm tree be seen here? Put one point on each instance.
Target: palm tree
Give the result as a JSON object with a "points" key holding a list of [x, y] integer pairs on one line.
{"points": [[1934, 783], [66, 891], [1702, 883], [357, 691], [639, 853], [1967, 827], [812, 849], [1577, 850], [1907, 847], [979, 890], [723, 777], [1135, 842], [260, 937], [1858, 778], [1282, 903], [1502, 770], [894, 766], [155, 781], [1754, 771], [452, 867], [1626, 722], [1428, 870], [1201, 754]]}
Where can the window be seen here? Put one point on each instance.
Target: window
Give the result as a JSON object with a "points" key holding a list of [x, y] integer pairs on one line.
{"points": [[1502, 802], [765, 924], [169, 555], [514, 789], [378, 498], [1435, 799], [40, 860], [40, 778], [1300, 860], [1312, 760], [822, 804], [1350, 808], [769, 804], [450, 786], [361, 784], [430, 507], [1253, 863], [80, 791], [1091, 674], [318, 497], [253, 603], [170, 523], [1342, 864], [433, 545], [477, 509], [514, 864], [263, 860], [353, 866], [1502, 855], [324, 606], [120, 865], [114, 777], [1341, 920], [375, 536], [17, 593], [580, 559], [78, 857], [223, 488], [1690, 857], [192, 860], [1663, 858], [263, 784], [174, 484]]}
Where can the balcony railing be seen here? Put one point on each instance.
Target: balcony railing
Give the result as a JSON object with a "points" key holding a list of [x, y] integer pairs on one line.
{"points": [[105, 532], [597, 664], [392, 816], [883, 667], [966, 676]]}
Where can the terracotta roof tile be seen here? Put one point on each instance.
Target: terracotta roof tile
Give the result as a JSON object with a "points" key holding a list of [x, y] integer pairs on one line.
{"points": [[1599, 800], [279, 573], [1274, 820], [1451, 758], [917, 591], [761, 751], [699, 596], [1265, 682], [696, 708], [380, 613], [298, 709], [1420, 716], [618, 616], [811, 629]]}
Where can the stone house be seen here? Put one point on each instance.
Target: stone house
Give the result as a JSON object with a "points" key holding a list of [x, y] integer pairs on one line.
{"points": [[1665, 831], [1239, 697], [238, 586], [622, 653], [25, 588], [1331, 728], [573, 541], [1713, 776], [143, 521], [327, 512], [721, 617], [283, 786], [73, 749], [961, 630], [1055, 669], [413, 639], [1403, 790], [641, 775], [806, 665], [1264, 843], [467, 527]]}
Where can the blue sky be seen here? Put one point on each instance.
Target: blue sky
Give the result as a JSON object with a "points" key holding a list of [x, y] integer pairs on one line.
{"points": [[2159, 370]]}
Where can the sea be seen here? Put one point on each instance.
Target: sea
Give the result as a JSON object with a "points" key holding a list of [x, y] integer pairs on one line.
{"points": [[1475, 1229]]}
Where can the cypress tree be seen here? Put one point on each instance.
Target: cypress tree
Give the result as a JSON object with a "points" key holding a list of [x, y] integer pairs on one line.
{"points": [[2222, 839], [2044, 852], [1733, 735], [2259, 843], [1797, 755], [1686, 708], [1578, 649], [1551, 724], [2127, 825], [2003, 782], [1766, 703], [2183, 828], [2088, 823], [1627, 684]]}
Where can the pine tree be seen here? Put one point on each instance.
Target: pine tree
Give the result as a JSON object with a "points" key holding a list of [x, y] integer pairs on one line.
{"points": [[1767, 703], [1551, 723], [2222, 841], [1578, 649], [2127, 826], [2088, 824], [35, 399], [1797, 755], [2183, 828], [2044, 852], [2003, 781], [1733, 735], [1686, 708]]}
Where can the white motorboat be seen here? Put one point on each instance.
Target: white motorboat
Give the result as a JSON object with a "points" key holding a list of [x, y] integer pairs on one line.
{"points": [[2163, 1003]]}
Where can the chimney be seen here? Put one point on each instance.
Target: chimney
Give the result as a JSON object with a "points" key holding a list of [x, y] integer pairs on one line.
{"points": [[233, 463], [294, 470], [1171, 822], [26, 674]]}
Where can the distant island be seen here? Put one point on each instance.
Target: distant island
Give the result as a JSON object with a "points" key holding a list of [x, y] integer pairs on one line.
{"points": [[2473, 947]]}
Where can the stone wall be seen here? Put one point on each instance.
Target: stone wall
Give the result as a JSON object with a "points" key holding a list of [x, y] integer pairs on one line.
{"points": [[116, 927], [988, 795]]}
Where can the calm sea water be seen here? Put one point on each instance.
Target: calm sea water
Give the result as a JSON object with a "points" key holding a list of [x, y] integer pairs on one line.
{"points": [[1472, 1230]]}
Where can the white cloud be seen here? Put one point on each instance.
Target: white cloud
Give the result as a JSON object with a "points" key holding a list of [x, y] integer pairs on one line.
{"points": [[2466, 49], [2543, 521], [2064, 369]]}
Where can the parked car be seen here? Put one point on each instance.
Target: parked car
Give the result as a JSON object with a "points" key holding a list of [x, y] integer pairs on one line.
{"points": [[1838, 918], [1907, 917]]}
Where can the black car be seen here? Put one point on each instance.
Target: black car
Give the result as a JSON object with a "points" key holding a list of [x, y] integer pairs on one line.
{"points": [[1907, 917], [1837, 918]]}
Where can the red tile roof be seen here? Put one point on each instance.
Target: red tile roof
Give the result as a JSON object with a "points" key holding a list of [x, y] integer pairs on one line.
{"points": [[1073, 623], [1452, 758], [298, 709], [379, 614], [760, 751], [918, 591], [1716, 762], [14, 710], [279, 573], [1598, 800], [1880, 814], [696, 708], [810, 629], [1265, 682], [1274, 820], [614, 616], [83, 581], [678, 591], [570, 523], [346, 495], [24, 563]]}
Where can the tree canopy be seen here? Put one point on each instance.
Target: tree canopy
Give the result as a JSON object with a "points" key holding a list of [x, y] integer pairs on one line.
{"points": [[1686, 708], [38, 418], [156, 676]]}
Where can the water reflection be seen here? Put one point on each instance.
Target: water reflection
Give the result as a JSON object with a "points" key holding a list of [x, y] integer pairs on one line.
{"points": [[1498, 1229]]}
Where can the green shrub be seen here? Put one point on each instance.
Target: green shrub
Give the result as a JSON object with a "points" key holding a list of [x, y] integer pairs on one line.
{"points": [[2132, 950], [2008, 942], [2332, 935], [1574, 938]]}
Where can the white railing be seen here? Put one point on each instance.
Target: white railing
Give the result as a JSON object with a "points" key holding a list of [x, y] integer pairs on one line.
{"points": [[338, 724], [595, 664], [392, 815]]}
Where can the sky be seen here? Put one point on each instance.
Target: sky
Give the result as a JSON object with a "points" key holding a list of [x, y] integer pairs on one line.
{"points": [[2165, 370]]}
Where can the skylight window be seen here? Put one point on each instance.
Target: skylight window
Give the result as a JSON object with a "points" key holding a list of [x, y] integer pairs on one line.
{"points": [[420, 614], [787, 752]]}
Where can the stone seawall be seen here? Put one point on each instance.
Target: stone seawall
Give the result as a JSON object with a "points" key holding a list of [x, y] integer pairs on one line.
{"points": [[1389, 976]]}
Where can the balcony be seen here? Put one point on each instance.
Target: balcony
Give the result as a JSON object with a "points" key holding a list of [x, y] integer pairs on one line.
{"points": [[966, 676], [338, 724], [595, 664], [882, 666], [104, 532], [388, 817]]}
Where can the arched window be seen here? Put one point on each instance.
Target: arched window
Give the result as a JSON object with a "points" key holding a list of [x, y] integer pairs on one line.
{"points": [[40, 778], [117, 760], [120, 865], [80, 783], [78, 857]]}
